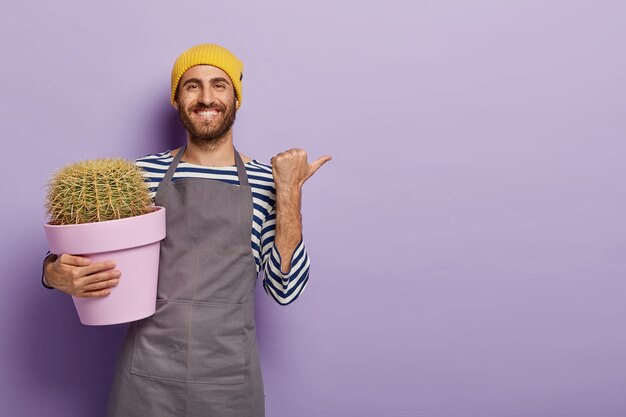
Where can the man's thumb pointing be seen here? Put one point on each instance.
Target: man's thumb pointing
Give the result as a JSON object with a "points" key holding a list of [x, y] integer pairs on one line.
{"points": [[315, 165]]}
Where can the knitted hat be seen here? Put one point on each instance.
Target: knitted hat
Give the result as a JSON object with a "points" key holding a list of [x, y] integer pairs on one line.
{"points": [[208, 54]]}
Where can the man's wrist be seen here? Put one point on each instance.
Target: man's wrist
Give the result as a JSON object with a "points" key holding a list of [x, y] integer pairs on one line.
{"points": [[287, 187], [47, 260], [45, 283]]}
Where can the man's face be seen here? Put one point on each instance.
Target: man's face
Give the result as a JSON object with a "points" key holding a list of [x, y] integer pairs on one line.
{"points": [[206, 103]]}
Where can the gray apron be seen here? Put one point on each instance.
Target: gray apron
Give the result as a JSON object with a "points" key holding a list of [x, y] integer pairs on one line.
{"points": [[197, 355]]}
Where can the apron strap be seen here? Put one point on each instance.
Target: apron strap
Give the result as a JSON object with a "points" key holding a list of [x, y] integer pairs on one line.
{"points": [[172, 168], [165, 182], [241, 169]]}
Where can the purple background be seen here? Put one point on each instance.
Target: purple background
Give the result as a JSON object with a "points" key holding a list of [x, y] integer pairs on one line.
{"points": [[468, 239]]}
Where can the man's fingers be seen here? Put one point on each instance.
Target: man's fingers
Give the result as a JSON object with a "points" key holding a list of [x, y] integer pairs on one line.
{"points": [[97, 267], [315, 165], [101, 285], [73, 260], [95, 294], [89, 280]]}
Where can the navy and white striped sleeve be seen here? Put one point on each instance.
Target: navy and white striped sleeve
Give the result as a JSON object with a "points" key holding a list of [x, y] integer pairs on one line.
{"points": [[284, 288], [43, 274]]}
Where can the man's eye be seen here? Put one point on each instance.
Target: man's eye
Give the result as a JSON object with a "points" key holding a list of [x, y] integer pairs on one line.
{"points": [[191, 86], [220, 85]]}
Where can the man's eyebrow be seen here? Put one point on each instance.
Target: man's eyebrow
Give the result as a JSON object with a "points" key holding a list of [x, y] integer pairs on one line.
{"points": [[219, 79], [192, 80]]}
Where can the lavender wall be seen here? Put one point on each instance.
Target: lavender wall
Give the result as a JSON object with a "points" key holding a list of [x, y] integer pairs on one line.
{"points": [[467, 239]]}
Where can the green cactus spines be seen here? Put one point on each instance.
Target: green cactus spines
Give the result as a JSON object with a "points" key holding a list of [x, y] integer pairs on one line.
{"points": [[97, 190]]}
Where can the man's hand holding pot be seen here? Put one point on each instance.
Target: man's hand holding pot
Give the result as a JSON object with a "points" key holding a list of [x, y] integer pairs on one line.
{"points": [[79, 277]]}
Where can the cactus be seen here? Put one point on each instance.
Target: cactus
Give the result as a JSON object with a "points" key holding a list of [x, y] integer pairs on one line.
{"points": [[97, 190]]}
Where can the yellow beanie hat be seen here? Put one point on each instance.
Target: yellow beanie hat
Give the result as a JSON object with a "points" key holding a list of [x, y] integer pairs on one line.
{"points": [[208, 54]]}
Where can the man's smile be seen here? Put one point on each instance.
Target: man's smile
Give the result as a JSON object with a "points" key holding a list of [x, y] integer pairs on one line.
{"points": [[206, 114]]}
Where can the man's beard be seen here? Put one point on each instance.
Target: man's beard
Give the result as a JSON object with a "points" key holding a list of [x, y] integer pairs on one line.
{"points": [[203, 133]]}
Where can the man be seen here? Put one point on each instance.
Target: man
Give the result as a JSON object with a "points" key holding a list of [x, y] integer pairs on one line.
{"points": [[197, 355]]}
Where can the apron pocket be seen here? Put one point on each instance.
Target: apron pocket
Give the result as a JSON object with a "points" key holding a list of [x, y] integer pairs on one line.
{"points": [[191, 341]]}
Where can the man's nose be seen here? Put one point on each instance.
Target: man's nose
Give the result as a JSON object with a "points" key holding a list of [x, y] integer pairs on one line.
{"points": [[206, 96]]}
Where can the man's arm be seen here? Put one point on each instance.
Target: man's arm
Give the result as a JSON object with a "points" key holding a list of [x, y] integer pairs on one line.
{"points": [[288, 223], [290, 170], [287, 264], [286, 287]]}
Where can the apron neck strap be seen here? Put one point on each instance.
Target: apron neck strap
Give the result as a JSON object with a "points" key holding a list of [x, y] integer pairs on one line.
{"points": [[241, 169], [170, 171]]}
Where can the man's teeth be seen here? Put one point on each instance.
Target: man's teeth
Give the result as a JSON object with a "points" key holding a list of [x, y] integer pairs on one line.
{"points": [[209, 113]]}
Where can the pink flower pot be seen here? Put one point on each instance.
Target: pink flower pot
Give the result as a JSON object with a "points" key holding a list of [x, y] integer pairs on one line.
{"points": [[134, 244]]}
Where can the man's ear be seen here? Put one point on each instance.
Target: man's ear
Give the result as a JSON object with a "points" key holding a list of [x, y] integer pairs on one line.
{"points": [[175, 103]]}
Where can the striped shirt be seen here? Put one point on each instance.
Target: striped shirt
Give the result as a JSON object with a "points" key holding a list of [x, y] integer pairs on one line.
{"points": [[284, 288]]}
